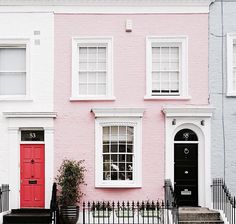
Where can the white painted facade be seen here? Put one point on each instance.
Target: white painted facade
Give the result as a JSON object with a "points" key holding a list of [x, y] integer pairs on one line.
{"points": [[35, 109]]}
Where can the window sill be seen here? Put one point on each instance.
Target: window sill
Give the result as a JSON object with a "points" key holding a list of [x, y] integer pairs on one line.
{"points": [[112, 98], [124, 185], [15, 98], [231, 94], [167, 97]]}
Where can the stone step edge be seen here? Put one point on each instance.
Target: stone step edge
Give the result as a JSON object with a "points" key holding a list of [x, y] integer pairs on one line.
{"points": [[203, 221]]}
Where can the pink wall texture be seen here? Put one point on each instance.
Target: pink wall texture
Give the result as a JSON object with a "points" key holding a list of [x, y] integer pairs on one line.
{"points": [[74, 127]]}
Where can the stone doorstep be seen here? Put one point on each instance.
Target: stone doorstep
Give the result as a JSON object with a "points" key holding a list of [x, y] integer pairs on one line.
{"points": [[192, 215], [202, 222]]}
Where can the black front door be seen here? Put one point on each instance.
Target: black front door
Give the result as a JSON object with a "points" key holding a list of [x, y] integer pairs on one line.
{"points": [[186, 173]]}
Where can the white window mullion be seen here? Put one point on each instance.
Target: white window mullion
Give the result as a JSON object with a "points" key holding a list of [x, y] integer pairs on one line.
{"points": [[173, 70], [13, 70], [98, 67]]}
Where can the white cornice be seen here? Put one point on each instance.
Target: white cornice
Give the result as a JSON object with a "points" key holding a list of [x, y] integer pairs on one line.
{"points": [[118, 112], [106, 6], [188, 111], [30, 114]]}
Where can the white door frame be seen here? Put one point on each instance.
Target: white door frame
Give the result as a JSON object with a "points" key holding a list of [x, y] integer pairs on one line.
{"points": [[33, 120], [197, 119]]}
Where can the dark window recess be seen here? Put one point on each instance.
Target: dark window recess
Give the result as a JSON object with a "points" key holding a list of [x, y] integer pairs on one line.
{"points": [[32, 135]]}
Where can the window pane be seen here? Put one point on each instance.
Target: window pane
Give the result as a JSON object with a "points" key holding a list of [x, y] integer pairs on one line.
{"points": [[83, 53], [13, 59], [119, 160], [165, 54], [82, 77], [156, 53], [93, 62], [174, 66], [12, 83], [175, 87], [101, 66], [164, 66], [174, 52], [101, 89], [174, 76], [102, 52], [92, 66], [91, 89], [92, 77], [234, 55], [167, 63], [82, 66], [164, 76], [92, 54], [155, 76], [165, 86], [82, 89], [156, 86], [101, 77], [122, 176]]}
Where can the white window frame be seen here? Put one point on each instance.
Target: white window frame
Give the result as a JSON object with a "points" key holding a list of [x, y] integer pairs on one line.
{"points": [[76, 41], [181, 41], [231, 38], [11, 43], [118, 117]]}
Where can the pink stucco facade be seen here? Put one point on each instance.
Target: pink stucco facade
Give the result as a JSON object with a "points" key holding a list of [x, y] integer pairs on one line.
{"points": [[75, 126]]}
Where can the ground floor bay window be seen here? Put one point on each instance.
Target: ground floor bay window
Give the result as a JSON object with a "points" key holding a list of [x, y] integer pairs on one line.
{"points": [[118, 134]]}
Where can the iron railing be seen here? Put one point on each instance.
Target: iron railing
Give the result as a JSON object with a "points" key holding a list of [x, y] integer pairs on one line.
{"points": [[54, 205], [149, 212], [170, 196], [4, 198], [223, 200]]}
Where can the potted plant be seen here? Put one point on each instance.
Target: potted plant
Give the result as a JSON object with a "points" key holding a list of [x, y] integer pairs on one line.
{"points": [[70, 179], [101, 209]]}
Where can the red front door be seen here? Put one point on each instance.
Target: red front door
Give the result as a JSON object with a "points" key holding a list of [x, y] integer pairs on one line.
{"points": [[32, 178]]}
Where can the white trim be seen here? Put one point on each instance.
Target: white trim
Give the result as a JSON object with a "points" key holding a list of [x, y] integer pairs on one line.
{"points": [[118, 112], [89, 98], [231, 38], [182, 42], [188, 111], [107, 6], [136, 122], [16, 42], [167, 98], [191, 117], [31, 142], [30, 114], [15, 125], [84, 40], [16, 98]]}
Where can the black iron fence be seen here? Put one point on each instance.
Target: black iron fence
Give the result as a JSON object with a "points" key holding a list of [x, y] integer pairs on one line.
{"points": [[54, 205], [170, 196], [223, 200], [4, 198], [149, 212]]}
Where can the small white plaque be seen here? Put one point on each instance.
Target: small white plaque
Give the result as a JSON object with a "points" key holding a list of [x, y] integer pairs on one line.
{"points": [[186, 192]]}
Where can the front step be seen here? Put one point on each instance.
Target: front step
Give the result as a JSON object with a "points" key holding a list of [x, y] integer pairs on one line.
{"points": [[196, 215], [32, 216]]}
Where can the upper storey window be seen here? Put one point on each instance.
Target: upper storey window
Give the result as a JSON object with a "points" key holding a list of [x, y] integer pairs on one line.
{"points": [[12, 70], [166, 67], [231, 65], [92, 69]]}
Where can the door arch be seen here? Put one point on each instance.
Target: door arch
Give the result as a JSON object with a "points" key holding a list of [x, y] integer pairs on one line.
{"points": [[186, 167]]}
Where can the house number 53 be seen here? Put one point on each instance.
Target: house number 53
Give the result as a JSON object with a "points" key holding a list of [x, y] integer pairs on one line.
{"points": [[32, 135]]}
